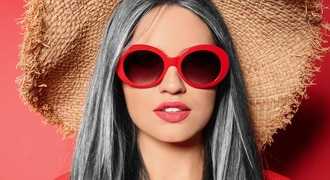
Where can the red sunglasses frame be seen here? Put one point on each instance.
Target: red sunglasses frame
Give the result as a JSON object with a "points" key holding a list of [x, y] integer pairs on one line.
{"points": [[174, 61]]}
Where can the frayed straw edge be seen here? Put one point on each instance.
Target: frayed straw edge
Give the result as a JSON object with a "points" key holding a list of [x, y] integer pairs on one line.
{"points": [[30, 89], [318, 29]]}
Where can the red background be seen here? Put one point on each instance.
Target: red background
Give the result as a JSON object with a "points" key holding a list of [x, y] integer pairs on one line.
{"points": [[31, 150]]}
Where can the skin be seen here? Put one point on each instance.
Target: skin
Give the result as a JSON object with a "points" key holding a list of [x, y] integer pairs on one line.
{"points": [[171, 150]]}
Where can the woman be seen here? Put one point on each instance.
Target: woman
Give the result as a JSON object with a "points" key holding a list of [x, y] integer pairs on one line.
{"points": [[174, 128], [167, 99]]}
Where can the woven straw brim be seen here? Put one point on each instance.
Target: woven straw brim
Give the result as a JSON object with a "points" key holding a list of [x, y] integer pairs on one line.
{"points": [[276, 42], [61, 41]]}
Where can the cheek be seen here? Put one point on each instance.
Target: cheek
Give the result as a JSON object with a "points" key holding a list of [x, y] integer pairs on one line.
{"points": [[203, 104], [138, 102]]}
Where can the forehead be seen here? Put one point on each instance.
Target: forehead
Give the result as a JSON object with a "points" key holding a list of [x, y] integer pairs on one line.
{"points": [[172, 29]]}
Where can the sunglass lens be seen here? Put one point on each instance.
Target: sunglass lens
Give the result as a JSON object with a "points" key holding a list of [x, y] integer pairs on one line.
{"points": [[201, 67], [143, 67]]}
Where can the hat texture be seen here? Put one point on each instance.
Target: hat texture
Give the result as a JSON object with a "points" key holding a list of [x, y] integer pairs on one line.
{"points": [[276, 41]]}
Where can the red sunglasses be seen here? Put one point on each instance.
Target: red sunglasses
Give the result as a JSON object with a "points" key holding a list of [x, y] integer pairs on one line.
{"points": [[201, 66]]}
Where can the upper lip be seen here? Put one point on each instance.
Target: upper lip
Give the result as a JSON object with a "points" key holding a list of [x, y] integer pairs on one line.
{"points": [[176, 104]]}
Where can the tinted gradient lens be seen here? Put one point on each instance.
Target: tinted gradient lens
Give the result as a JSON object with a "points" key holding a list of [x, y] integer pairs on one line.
{"points": [[201, 67], [143, 67]]}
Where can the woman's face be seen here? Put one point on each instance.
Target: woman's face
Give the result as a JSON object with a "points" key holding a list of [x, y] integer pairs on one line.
{"points": [[171, 111]]}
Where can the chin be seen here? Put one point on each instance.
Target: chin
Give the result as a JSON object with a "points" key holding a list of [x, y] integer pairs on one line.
{"points": [[182, 138]]}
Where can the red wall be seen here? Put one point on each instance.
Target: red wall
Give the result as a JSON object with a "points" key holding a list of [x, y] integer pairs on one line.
{"points": [[32, 150]]}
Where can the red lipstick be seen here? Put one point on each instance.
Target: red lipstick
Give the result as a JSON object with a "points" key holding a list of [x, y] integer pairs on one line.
{"points": [[172, 111]]}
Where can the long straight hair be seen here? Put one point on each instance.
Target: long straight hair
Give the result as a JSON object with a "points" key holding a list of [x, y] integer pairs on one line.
{"points": [[106, 145]]}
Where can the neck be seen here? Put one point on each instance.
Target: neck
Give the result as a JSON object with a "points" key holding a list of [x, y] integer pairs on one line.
{"points": [[163, 160]]}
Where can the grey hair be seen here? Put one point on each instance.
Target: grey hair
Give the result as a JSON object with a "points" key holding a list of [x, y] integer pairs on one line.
{"points": [[106, 146]]}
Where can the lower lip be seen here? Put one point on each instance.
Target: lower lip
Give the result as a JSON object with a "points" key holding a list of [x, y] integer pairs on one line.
{"points": [[172, 116]]}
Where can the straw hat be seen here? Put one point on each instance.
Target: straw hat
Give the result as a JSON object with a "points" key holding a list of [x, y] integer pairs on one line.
{"points": [[276, 41]]}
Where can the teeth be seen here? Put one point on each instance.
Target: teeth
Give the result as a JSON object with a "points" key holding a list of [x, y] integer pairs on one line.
{"points": [[173, 110]]}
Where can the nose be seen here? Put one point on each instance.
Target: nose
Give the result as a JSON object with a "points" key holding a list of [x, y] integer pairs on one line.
{"points": [[172, 82]]}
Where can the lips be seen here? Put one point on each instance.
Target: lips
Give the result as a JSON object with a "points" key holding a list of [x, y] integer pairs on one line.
{"points": [[172, 111]]}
